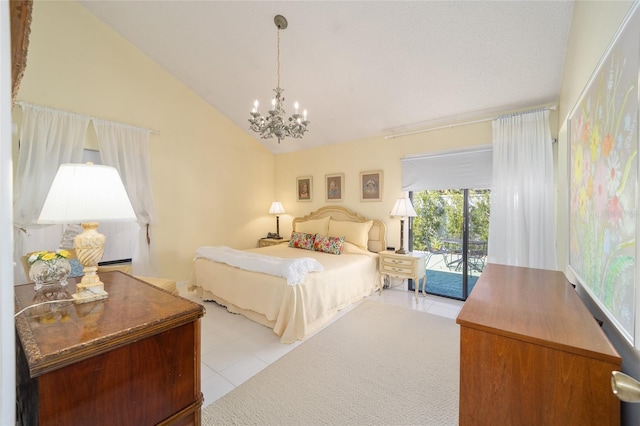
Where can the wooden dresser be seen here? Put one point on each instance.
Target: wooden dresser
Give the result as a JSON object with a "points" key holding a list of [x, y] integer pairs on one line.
{"points": [[532, 353], [130, 359]]}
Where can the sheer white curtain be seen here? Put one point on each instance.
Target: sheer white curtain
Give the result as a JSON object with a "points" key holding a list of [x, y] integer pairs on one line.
{"points": [[521, 226], [47, 138], [127, 149]]}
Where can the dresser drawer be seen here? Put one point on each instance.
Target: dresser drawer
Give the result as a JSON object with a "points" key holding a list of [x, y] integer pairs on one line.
{"points": [[399, 269], [398, 262]]}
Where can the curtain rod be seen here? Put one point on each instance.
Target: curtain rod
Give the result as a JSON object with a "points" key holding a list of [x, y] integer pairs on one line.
{"points": [[448, 126], [21, 103]]}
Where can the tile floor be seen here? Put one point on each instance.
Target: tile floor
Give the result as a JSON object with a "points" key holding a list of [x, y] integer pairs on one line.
{"points": [[233, 348]]}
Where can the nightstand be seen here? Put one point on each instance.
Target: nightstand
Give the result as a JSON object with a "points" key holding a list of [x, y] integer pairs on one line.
{"points": [[266, 242], [410, 265]]}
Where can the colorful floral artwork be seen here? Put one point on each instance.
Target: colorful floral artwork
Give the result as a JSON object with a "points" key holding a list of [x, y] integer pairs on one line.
{"points": [[603, 139]]}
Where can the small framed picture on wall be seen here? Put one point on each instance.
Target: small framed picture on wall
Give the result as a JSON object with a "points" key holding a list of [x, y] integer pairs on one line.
{"points": [[334, 187], [303, 188], [371, 186]]}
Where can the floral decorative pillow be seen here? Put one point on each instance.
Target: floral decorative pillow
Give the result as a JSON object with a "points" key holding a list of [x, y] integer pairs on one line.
{"points": [[301, 240], [331, 245]]}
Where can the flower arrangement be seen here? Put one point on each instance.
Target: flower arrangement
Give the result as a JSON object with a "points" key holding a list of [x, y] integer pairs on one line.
{"points": [[48, 255], [49, 268]]}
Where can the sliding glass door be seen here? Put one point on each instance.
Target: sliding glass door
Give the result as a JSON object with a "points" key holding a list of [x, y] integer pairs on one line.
{"points": [[452, 228]]}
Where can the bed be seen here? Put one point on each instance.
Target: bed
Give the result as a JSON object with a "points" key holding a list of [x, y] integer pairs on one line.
{"points": [[296, 311]]}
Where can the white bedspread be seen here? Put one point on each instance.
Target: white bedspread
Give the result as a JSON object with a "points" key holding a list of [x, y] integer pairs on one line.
{"points": [[293, 270], [292, 311]]}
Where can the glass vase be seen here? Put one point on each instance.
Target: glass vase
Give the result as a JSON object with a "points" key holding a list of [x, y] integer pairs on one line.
{"points": [[53, 272], [48, 313]]}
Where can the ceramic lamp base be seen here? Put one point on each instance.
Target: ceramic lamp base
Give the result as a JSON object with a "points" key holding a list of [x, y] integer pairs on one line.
{"points": [[89, 247], [89, 292]]}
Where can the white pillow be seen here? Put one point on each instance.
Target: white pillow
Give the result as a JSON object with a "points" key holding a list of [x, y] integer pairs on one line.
{"points": [[315, 226], [356, 233]]}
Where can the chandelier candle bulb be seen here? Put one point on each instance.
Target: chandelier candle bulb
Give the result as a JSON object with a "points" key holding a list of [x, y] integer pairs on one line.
{"points": [[295, 106]]}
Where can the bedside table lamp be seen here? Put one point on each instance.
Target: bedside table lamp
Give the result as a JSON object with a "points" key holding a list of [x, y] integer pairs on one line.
{"points": [[403, 209], [277, 209], [87, 194]]}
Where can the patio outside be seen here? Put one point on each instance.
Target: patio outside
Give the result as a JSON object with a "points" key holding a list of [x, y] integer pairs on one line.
{"points": [[438, 232], [445, 280]]}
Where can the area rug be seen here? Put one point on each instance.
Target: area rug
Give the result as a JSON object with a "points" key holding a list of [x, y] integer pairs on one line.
{"points": [[379, 364], [447, 283]]}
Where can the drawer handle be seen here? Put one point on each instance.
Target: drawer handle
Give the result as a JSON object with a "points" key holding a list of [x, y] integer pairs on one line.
{"points": [[396, 261]]}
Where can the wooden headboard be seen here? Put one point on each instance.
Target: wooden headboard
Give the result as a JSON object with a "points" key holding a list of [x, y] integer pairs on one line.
{"points": [[377, 233]]}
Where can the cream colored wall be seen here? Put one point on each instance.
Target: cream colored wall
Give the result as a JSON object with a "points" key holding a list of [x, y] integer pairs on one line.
{"points": [[204, 168], [593, 27], [377, 153], [354, 157]]}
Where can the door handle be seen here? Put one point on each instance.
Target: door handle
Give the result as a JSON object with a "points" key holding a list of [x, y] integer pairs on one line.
{"points": [[626, 388]]}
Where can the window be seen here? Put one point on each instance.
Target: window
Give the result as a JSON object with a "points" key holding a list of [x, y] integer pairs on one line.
{"points": [[452, 228], [121, 236], [450, 192]]}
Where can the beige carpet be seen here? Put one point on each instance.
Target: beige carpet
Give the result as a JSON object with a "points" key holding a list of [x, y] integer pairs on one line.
{"points": [[379, 364]]}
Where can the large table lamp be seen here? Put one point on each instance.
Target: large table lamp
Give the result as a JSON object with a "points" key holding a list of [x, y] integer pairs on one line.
{"points": [[403, 209], [277, 209], [87, 194]]}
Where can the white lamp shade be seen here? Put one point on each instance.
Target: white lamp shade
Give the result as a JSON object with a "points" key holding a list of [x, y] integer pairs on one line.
{"points": [[403, 208], [82, 193], [276, 208]]}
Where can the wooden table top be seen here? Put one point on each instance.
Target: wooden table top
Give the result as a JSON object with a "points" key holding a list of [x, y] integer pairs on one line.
{"points": [[60, 334], [537, 306]]}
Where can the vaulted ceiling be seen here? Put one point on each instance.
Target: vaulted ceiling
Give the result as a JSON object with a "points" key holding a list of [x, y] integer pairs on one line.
{"points": [[360, 68]]}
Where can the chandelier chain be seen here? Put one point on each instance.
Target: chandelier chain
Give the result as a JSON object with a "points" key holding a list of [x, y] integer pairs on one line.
{"points": [[278, 29]]}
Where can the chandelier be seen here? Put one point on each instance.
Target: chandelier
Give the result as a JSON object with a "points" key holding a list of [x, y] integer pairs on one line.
{"points": [[275, 124]]}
